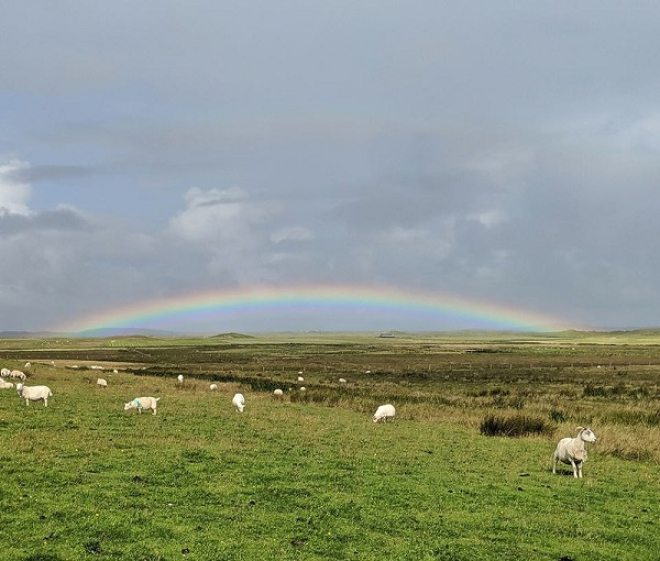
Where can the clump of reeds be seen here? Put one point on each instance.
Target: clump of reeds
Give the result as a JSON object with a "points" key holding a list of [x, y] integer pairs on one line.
{"points": [[514, 426]]}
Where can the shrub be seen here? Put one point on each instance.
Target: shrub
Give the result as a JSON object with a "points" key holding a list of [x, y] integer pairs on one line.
{"points": [[515, 426]]}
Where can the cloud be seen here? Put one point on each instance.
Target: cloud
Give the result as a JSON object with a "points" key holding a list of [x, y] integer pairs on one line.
{"points": [[14, 193]]}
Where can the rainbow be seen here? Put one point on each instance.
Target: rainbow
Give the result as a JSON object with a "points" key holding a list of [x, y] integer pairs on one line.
{"points": [[229, 304]]}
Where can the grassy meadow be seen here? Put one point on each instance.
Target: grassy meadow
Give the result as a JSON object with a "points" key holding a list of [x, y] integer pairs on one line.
{"points": [[309, 475]]}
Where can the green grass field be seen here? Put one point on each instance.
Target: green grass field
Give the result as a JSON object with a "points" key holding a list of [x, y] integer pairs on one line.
{"points": [[309, 475]]}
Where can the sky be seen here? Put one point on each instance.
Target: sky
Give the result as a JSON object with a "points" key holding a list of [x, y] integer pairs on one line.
{"points": [[504, 153]]}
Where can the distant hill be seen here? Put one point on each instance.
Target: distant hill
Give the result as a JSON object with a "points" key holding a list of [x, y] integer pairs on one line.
{"points": [[232, 335]]}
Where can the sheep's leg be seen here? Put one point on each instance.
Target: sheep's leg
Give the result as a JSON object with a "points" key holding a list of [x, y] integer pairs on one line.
{"points": [[554, 465], [579, 466], [575, 469]]}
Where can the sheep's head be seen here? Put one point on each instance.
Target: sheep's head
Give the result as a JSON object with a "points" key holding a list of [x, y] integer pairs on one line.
{"points": [[129, 405], [587, 435], [19, 388]]}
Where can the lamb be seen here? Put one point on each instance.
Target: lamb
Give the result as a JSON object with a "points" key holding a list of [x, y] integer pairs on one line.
{"points": [[141, 403], [17, 374], [384, 412], [213, 387], [5, 385], [278, 392], [239, 402], [572, 451], [102, 383], [34, 393]]}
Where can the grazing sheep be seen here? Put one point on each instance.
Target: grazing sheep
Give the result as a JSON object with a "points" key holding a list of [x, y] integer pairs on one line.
{"points": [[5, 385], [278, 392], [28, 365], [572, 451], [17, 374], [102, 383], [180, 378], [34, 393], [384, 412], [213, 387], [239, 402], [303, 389], [301, 379], [5, 372], [141, 403], [342, 380]]}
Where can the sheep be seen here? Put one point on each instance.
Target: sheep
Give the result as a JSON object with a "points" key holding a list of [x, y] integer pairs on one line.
{"points": [[342, 380], [572, 451], [301, 379], [17, 374], [5, 372], [102, 383], [278, 392], [384, 412], [141, 403], [239, 402], [28, 365], [180, 378], [5, 385], [213, 387], [303, 389], [34, 393]]}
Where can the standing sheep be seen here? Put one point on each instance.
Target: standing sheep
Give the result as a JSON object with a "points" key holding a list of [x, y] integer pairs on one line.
{"points": [[278, 392], [34, 393], [239, 402], [572, 451], [141, 403], [180, 378], [384, 412], [213, 387], [102, 383]]}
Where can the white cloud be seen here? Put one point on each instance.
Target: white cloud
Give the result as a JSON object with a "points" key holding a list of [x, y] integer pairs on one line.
{"points": [[295, 233], [219, 216], [488, 218], [14, 194]]}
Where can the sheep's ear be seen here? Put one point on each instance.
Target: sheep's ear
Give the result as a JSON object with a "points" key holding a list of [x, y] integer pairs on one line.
{"points": [[580, 428]]}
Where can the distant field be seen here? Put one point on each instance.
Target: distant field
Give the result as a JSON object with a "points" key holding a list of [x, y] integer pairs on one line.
{"points": [[309, 476]]}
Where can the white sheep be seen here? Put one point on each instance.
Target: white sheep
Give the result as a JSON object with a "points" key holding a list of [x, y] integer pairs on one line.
{"points": [[141, 403], [239, 402], [102, 383], [34, 393], [278, 392], [303, 389], [384, 412], [180, 378], [213, 387], [342, 380], [28, 365], [301, 379], [17, 374], [5, 385], [572, 451], [5, 372]]}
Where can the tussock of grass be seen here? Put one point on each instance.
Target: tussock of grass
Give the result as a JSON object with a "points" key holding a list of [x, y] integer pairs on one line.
{"points": [[514, 426]]}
